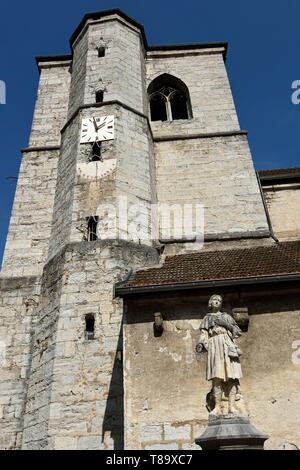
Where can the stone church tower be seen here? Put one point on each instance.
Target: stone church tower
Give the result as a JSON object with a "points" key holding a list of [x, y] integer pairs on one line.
{"points": [[119, 125]]}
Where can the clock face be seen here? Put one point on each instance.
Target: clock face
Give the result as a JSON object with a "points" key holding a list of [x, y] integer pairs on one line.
{"points": [[97, 129], [96, 170]]}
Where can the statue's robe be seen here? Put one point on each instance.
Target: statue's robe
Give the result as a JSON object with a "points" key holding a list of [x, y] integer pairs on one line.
{"points": [[217, 333]]}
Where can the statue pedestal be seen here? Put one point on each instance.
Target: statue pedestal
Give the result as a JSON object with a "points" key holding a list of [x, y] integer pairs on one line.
{"points": [[231, 432]]}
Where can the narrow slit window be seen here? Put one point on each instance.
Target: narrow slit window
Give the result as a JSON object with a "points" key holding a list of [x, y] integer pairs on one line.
{"points": [[95, 155], [101, 51], [99, 96], [92, 224], [89, 327]]}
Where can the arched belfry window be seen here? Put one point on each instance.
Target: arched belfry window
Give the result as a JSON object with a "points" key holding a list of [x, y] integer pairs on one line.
{"points": [[169, 99]]}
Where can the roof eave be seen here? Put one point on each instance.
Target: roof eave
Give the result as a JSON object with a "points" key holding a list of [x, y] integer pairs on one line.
{"points": [[96, 15], [53, 59], [190, 47], [127, 291], [280, 179], [164, 47]]}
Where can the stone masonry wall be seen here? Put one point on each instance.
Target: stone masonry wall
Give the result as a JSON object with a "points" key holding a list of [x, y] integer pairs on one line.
{"points": [[75, 393], [122, 64], [40, 378], [18, 299], [51, 105], [165, 385], [78, 197], [211, 99], [77, 86], [130, 183], [216, 172], [283, 202], [64, 192], [120, 73], [30, 224]]}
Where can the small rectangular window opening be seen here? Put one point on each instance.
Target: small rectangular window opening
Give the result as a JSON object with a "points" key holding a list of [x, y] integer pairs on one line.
{"points": [[99, 96], [89, 327], [101, 51], [92, 223], [95, 154]]}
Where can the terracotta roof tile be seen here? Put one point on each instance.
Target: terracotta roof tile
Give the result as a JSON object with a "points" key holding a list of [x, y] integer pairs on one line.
{"points": [[263, 261]]}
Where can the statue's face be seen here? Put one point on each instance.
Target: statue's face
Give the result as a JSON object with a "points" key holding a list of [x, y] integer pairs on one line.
{"points": [[216, 302]]}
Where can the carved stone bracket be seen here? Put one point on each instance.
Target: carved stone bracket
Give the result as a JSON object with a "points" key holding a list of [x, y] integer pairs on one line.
{"points": [[241, 316]]}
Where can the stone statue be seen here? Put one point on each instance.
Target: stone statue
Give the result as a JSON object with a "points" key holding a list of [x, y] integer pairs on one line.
{"points": [[218, 331]]}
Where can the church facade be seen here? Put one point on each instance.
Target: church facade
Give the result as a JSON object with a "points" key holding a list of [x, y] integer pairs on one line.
{"points": [[137, 199]]}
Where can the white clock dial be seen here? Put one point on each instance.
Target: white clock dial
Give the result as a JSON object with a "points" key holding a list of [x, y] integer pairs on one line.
{"points": [[97, 129], [96, 170]]}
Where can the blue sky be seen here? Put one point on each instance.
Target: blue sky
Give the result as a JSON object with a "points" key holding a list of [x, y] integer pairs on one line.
{"points": [[263, 61]]}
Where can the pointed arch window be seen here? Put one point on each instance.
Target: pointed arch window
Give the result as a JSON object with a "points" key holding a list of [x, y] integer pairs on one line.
{"points": [[169, 99]]}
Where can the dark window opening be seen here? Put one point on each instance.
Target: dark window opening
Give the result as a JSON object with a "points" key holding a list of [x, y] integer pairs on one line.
{"points": [[179, 106], [92, 228], [99, 96], [169, 99], [95, 155], [158, 108], [89, 327], [101, 51]]}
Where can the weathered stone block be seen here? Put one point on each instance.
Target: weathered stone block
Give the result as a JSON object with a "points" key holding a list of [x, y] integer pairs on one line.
{"points": [[190, 447], [151, 433], [177, 432], [171, 446], [89, 443], [65, 443]]}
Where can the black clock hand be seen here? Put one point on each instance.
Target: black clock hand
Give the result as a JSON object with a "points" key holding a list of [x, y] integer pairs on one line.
{"points": [[95, 124]]}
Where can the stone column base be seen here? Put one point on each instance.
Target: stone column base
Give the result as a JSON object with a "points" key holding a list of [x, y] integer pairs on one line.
{"points": [[231, 432]]}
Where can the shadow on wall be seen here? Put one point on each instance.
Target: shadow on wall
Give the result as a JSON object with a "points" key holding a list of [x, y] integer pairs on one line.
{"points": [[113, 423]]}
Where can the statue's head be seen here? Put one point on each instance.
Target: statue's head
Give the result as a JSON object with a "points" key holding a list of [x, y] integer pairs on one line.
{"points": [[215, 301]]}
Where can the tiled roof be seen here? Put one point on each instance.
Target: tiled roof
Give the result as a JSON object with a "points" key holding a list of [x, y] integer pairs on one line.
{"points": [[280, 259], [280, 172]]}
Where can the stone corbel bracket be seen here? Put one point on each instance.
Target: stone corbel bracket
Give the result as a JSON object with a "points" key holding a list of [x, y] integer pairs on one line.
{"points": [[241, 316], [102, 43]]}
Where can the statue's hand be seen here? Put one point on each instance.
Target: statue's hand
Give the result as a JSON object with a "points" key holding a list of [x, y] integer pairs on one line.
{"points": [[221, 321], [236, 331], [199, 348]]}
